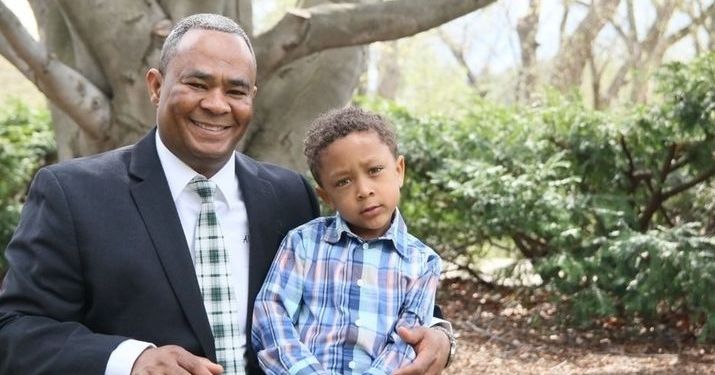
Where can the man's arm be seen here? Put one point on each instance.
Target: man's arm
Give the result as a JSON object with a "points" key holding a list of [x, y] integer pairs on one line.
{"points": [[435, 346], [432, 348], [275, 338], [43, 297]]}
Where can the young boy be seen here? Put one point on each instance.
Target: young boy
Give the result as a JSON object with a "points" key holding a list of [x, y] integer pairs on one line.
{"points": [[341, 285]]}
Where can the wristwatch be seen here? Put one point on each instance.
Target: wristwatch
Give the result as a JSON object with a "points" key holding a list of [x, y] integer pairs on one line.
{"points": [[452, 344]]}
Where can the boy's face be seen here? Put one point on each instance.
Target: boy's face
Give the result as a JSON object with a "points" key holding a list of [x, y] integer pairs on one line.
{"points": [[361, 179]]}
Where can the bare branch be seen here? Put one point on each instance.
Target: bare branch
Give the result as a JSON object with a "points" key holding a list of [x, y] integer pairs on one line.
{"points": [[562, 28], [302, 32], [574, 53], [67, 88], [459, 54], [619, 80], [688, 29]]}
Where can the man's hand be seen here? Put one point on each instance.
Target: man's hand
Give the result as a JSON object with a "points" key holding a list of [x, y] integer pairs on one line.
{"points": [[432, 348], [173, 360]]}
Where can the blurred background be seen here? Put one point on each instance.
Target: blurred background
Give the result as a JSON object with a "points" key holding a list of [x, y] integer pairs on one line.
{"points": [[560, 153]]}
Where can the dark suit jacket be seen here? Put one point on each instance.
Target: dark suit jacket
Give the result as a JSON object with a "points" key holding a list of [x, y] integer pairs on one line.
{"points": [[99, 256]]}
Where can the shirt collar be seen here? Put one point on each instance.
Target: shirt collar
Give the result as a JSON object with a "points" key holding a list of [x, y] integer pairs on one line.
{"points": [[178, 174], [396, 233]]}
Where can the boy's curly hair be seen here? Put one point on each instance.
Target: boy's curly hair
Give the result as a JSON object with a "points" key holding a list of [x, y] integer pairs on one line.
{"points": [[338, 123]]}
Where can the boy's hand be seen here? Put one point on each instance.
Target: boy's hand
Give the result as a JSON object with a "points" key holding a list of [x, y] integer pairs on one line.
{"points": [[432, 348]]}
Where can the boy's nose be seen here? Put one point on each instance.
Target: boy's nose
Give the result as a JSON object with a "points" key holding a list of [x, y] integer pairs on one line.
{"points": [[365, 190]]}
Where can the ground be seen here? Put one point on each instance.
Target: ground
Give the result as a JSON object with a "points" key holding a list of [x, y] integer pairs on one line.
{"points": [[502, 331]]}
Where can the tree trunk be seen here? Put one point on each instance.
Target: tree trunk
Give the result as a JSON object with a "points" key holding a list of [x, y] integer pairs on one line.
{"points": [[390, 75], [292, 98], [526, 29]]}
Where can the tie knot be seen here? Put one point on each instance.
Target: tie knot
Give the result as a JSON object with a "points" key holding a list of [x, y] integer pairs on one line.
{"points": [[203, 187]]}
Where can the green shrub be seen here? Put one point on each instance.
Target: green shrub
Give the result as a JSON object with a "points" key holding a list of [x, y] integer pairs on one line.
{"points": [[26, 143]]}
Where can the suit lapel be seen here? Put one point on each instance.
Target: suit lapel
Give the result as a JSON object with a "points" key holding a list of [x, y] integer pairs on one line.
{"points": [[259, 198], [153, 199]]}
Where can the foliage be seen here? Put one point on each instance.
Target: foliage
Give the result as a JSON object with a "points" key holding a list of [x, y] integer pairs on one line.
{"points": [[661, 274], [26, 143], [582, 194]]}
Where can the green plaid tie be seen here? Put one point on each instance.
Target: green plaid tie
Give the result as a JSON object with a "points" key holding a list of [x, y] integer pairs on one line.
{"points": [[214, 275]]}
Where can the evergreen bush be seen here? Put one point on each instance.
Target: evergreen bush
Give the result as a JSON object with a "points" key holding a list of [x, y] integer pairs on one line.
{"points": [[26, 143]]}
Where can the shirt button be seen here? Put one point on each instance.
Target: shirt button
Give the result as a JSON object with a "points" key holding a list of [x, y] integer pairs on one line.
{"points": [[365, 245], [360, 283], [351, 365], [357, 323]]}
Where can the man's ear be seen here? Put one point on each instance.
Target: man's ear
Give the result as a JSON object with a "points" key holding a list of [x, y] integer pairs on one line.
{"points": [[154, 78], [325, 197]]}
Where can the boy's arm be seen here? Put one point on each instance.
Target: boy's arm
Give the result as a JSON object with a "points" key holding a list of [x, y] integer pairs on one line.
{"points": [[416, 311], [274, 336]]}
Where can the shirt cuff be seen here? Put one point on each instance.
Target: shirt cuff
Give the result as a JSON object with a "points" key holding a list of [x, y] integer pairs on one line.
{"points": [[306, 366], [124, 355], [441, 323]]}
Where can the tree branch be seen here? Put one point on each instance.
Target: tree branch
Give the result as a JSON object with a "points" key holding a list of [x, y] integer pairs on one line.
{"points": [[67, 88], [7, 52], [573, 54], [630, 173], [687, 185], [459, 54], [302, 32], [687, 29]]}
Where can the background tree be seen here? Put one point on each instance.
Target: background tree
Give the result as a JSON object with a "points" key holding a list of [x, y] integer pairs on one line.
{"points": [[605, 50], [92, 56]]}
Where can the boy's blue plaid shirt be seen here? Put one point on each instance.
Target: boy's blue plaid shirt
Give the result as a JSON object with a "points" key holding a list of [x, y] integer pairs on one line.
{"points": [[331, 301]]}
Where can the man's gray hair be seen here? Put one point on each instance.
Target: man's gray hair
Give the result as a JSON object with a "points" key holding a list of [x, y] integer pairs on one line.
{"points": [[201, 21]]}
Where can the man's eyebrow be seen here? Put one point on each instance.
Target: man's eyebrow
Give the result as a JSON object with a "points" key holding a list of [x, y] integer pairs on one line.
{"points": [[239, 82], [233, 82], [197, 74]]}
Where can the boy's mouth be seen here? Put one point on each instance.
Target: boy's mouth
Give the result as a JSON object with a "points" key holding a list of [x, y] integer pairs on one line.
{"points": [[370, 209]]}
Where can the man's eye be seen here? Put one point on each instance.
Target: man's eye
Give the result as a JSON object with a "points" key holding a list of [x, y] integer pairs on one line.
{"points": [[237, 93], [196, 85], [376, 170]]}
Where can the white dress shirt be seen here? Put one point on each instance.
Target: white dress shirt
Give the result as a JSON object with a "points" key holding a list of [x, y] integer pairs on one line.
{"points": [[231, 213]]}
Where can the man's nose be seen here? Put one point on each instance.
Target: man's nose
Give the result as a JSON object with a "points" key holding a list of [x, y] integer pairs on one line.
{"points": [[215, 102]]}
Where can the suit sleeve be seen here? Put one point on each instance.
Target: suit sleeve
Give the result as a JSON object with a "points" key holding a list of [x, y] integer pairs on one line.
{"points": [[42, 300], [312, 200]]}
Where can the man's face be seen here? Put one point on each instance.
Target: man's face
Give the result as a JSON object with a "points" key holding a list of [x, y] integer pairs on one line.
{"points": [[361, 179], [205, 98]]}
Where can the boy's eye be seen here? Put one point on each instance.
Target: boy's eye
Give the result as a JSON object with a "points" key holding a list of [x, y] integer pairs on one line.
{"points": [[376, 170], [342, 182]]}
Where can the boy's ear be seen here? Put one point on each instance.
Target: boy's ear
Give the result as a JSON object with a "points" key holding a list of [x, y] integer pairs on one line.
{"points": [[325, 197], [401, 169]]}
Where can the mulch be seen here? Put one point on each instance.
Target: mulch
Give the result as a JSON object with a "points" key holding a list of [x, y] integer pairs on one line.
{"points": [[520, 331]]}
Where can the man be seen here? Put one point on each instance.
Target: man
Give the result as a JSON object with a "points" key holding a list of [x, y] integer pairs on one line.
{"points": [[103, 275]]}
